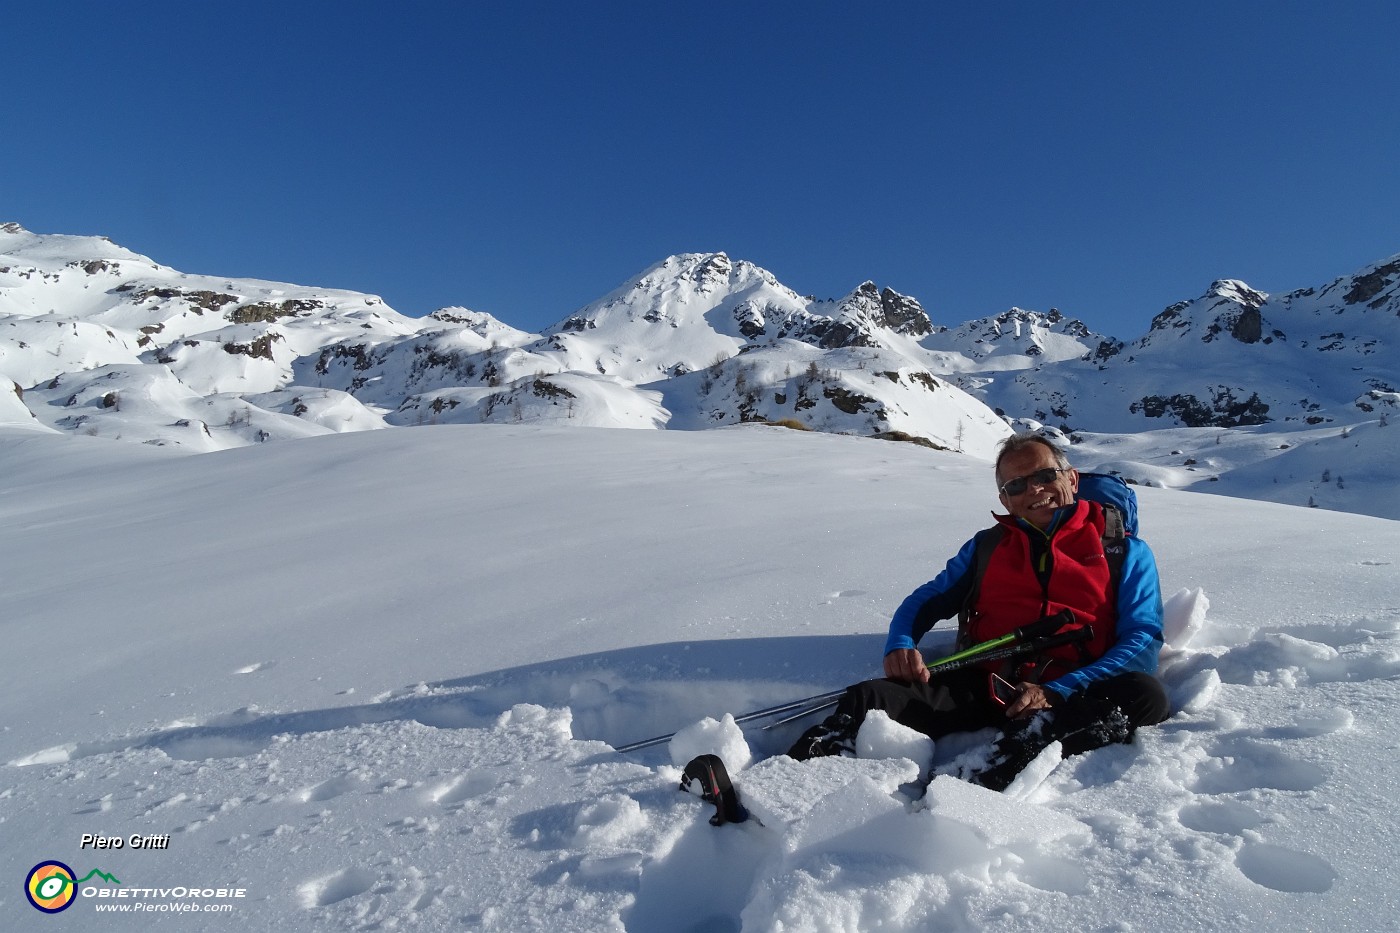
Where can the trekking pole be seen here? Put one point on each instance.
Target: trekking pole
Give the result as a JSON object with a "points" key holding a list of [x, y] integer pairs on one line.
{"points": [[962, 659], [992, 649], [823, 700], [1045, 625], [793, 717]]}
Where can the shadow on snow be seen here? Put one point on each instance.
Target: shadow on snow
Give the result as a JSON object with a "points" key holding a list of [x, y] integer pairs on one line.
{"points": [[615, 697]]}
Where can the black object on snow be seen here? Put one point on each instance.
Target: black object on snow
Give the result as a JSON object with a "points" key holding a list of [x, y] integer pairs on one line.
{"points": [[715, 787]]}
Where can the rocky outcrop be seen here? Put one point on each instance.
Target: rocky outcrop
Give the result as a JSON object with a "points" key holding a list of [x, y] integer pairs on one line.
{"points": [[903, 314], [864, 318], [1223, 410], [1370, 287]]}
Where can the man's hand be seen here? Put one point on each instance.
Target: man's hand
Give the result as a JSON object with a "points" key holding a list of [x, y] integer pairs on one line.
{"points": [[1029, 698], [906, 664]]}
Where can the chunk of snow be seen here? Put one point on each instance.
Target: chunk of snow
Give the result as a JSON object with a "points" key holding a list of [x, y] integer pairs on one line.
{"points": [[882, 737], [712, 737]]}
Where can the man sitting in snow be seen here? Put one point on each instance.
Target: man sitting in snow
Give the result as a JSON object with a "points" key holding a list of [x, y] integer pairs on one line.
{"points": [[1050, 557]]}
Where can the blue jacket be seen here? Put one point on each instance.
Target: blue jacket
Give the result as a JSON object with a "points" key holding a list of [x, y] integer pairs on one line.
{"points": [[1138, 629]]}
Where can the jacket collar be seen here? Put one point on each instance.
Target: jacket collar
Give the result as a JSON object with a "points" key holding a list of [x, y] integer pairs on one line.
{"points": [[1072, 514]]}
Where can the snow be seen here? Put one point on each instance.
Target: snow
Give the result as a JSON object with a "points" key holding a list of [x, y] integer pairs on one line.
{"points": [[98, 341], [374, 680], [721, 737], [882, 737]]}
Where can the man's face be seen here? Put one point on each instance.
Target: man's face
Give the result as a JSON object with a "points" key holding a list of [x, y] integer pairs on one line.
{"points": [[1038, 501]]}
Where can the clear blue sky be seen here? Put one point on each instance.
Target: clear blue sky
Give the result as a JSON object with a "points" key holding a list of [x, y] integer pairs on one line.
{"points": [[524, 158]]}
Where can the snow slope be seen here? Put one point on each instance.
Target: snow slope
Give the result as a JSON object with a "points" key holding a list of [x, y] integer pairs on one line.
{"points": [[373, 680]]}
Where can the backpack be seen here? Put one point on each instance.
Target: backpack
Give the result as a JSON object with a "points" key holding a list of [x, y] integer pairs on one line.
{"points": [[1120, 519]]}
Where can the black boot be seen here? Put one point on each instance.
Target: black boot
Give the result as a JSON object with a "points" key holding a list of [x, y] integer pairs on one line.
{"points": [[1016, 748], [1080, 726], [835, 735]]}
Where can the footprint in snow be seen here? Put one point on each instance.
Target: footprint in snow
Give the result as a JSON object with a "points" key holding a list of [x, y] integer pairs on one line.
{"points": [[334, 787], [1311, 725], [463, 789], [1284, 869], [1243, 765], [343, 884], [830, 598], [1051, 873], [1282, 658], [100, 805], [430, 895], [412, 826], [1226, 817]]}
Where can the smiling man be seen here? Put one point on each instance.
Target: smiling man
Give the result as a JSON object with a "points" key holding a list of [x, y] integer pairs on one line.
{"points": [[1044, 557]]}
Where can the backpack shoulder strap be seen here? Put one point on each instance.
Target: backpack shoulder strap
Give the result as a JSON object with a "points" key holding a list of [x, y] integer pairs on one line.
{"points": [[1115, 546], [987, 539]]}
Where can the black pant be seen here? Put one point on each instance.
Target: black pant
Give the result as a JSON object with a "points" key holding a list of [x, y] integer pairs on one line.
{"points": [[961, 701]]}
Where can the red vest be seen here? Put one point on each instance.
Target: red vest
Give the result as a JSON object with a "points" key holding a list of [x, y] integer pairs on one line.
{"points": [[1011, 595]]}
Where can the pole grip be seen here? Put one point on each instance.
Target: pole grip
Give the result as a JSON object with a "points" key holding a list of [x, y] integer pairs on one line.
{"points": [[1046, 625]]}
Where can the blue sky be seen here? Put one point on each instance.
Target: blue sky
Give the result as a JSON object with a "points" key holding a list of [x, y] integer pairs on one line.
{"points": [[525, 158]]}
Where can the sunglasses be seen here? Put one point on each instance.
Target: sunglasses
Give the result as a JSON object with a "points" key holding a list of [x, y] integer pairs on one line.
{"points": [[1014, 487]]}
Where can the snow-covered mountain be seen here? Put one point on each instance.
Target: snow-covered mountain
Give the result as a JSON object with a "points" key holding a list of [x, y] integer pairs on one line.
{"points": [[98, 340], [1234, 357], [1015, 339], [106, 342]]}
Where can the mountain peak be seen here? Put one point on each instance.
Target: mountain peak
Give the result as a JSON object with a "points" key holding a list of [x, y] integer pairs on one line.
{"points": [[1376, 285], [1228, 306], [1235, 290]]}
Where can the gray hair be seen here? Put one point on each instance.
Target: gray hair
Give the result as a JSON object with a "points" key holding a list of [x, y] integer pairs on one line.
{"points": [[1018, 442]]}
